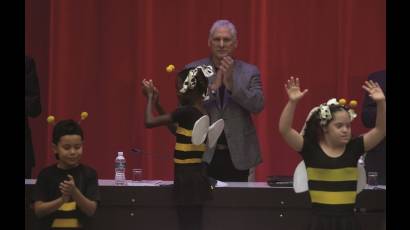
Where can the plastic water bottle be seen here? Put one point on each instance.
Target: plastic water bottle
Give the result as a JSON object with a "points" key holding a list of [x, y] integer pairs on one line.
{"points": [[120, 169]]}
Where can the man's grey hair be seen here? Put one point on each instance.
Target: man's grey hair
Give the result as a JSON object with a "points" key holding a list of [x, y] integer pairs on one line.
{"points": [[223, 23]]}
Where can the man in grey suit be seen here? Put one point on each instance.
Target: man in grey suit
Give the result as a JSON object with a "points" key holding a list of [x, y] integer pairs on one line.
{"points": [[238, 96]]}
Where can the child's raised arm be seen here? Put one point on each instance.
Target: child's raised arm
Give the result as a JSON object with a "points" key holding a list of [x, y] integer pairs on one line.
{"points": [[291, 136], [161, 111], [375, 135], [151, 121]]}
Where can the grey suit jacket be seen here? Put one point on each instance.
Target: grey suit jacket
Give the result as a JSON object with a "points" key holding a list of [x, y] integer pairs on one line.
{"points": [[246, 98]]}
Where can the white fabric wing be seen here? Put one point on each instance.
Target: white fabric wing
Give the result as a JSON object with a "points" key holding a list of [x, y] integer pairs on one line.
{"points": [[300, 179], [200, 130]]}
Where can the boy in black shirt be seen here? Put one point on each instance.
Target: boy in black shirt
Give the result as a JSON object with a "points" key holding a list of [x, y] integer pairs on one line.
{"points": [[66, 193]]}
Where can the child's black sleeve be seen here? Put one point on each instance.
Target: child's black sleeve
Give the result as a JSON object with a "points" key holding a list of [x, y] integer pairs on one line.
{"points": [[40, 188], [356, 146], [92, 191], [178, 115]]}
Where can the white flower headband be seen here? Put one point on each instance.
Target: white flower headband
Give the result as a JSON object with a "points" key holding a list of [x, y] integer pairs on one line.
{"points": [[190, 81], [324, 110]]}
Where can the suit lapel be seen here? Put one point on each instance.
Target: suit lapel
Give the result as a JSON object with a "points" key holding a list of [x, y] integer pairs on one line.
{"points": [[226, 94]]}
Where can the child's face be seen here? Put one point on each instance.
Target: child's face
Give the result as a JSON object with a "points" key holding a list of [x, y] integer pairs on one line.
{"points": [[69, 150], [339, 130]]}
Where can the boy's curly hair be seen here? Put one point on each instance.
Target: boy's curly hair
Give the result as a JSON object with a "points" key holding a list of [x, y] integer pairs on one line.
{"points": [[66, 127]]}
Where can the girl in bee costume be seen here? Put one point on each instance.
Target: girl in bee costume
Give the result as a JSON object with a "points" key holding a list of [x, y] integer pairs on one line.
{"points": [[191, 184]]}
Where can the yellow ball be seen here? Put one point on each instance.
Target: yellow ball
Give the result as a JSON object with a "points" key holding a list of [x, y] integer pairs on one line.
{"points": [[170, 68], [84, 115], [342, 101], [353, 103], [50, 119]]}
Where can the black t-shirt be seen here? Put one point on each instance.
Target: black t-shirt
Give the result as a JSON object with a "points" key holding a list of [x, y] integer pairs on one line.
{"points": [[47, 189], [332, 181]]}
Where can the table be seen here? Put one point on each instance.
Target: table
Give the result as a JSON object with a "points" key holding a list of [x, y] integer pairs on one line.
{"points": [[238, 205]]}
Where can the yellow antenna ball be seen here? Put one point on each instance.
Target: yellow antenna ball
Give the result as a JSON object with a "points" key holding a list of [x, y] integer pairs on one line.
{"points": [[170, 68], [84, 115], [50, 119], [353, 103], [342, 101]]}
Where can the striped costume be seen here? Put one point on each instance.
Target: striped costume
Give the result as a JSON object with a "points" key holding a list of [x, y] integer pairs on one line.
{"points": [[191, 183], [68, 216], [332, 185]]}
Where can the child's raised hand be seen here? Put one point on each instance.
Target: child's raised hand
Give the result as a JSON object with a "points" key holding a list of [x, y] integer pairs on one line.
{"points": [[293, 89], [147, 87], [155, 92], [374, 90]]}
